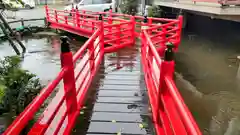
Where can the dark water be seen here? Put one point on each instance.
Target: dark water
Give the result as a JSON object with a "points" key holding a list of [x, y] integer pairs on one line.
{"points": [[207, 69], [42, 53]]}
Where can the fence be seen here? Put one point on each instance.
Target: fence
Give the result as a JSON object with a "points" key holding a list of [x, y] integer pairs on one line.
{"points": [[67, 103], [170, 114], [84, 23]]}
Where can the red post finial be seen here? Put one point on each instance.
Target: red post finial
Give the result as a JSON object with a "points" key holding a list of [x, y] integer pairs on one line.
{"points": [[56, 15], [179, 32], [102, 32], [66, 19], [133, 29]]}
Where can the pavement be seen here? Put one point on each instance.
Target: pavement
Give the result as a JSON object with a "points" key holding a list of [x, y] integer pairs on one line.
{"points": [[36, 13]]}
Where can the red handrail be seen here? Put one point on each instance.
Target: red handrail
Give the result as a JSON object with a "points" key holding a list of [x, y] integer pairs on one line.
{"points": [[170, 114], [191, 125], [117, 35], [91, 50]]}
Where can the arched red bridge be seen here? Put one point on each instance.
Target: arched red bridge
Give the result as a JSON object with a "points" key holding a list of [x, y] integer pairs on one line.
{"points": [[111, 32]]}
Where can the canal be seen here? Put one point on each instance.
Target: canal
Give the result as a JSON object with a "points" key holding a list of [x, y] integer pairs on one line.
{"points": [[207, 67]]}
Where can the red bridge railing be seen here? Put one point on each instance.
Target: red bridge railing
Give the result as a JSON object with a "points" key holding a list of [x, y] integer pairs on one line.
{"points": [[160, 39], [120, 30], [60, 114], [118, 34], [170, 114]]}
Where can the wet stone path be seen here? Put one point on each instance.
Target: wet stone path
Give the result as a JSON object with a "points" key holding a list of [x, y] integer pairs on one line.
{"points": [[119, 98]]}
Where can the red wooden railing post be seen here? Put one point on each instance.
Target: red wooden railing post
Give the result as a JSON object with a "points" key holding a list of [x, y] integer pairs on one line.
{"points": [[76, 17], [73, 17], [91, 55], [144, 26], [66, 19], [101, 33], [167, 66], [84, 18], [110, 20], [133, 29], [118, 34], [110, 13], [166, 69], [68, 78], [92, 26], [47, 12], [149, 21], [72, 8], [164, 42], [56, 16], [180, 23], [91, 52], [168, 60], [80, 19]]}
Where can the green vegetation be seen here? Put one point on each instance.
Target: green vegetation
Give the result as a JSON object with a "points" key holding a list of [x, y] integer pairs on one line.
{"points": [[129, 7], [18, 87], [154, 11]]}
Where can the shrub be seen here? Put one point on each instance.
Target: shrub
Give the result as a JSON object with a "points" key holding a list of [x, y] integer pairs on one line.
{"points": [[129, 7], [18, 87], [154, 11]]}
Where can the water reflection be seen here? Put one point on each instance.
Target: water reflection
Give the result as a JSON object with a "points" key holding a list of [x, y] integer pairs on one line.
{"points": [[125, 58], [127, 61], [42, 53]]}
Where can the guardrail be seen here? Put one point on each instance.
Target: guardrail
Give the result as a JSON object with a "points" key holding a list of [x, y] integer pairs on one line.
{"points": [[170, 114], [84, 23], [169, 32], [68, 101]]}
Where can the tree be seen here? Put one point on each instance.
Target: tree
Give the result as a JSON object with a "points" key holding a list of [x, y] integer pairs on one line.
{"points": [[129, 6]]}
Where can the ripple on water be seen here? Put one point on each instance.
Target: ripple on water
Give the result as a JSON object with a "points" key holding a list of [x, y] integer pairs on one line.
{"points": [[42, 53], [209, 85]]}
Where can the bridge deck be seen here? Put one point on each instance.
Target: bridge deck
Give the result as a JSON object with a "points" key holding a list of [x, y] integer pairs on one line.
{"points": [[120, 96]]}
